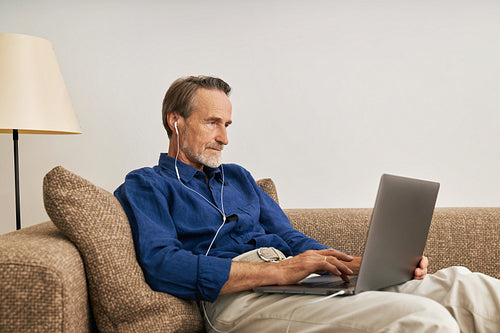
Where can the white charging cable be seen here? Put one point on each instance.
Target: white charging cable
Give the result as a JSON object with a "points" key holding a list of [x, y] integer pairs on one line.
{"points": [[341, 292]]}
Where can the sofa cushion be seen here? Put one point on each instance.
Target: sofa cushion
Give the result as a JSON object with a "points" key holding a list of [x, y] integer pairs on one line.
{"points": [[269, 187], [95, 222]]}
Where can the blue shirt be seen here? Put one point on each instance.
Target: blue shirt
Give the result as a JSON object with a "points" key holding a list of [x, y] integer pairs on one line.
{"points": [[173, 227]]}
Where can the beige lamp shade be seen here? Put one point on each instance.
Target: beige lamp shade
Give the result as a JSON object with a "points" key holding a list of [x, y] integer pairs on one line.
{"points": [[33, 96]]}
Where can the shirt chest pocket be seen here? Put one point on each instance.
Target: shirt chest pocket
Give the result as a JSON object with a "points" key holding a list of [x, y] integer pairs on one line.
{"points": [[245, 223]]}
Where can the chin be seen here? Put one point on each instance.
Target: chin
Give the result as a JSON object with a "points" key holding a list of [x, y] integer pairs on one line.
{"points": [[211, 162]]}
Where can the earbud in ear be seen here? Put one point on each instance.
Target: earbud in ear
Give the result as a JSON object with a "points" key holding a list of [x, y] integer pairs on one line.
{"points": [[176, 130]]}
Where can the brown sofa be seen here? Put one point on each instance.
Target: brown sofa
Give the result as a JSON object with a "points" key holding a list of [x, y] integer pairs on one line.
{"points": [[82, 273]]}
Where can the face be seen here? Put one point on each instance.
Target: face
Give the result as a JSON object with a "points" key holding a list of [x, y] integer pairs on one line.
{"points": [[203, 135]]}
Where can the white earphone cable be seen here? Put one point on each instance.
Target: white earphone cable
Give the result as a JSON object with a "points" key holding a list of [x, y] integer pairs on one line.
{"points": [[221, 211]]}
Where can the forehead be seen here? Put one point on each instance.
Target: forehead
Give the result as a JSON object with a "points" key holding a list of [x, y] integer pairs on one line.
{"points": [[211, 103]]}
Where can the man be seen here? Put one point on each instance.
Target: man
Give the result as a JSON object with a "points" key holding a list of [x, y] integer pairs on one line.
{"points": [[197, 222]]}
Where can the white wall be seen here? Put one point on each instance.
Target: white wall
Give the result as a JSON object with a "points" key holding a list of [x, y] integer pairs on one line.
{"points": [[327, 95]]}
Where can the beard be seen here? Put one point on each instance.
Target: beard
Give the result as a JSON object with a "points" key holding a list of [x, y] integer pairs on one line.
{"points": [[209, 158]]}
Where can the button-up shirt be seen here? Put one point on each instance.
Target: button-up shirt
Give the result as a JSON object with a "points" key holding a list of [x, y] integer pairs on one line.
{"points": [[173, 225]]}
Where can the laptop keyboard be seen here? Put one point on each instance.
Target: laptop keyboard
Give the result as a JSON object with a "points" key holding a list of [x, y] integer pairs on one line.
{"points": [[327, 281]]}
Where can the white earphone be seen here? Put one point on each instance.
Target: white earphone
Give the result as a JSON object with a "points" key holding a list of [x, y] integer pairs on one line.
{"points": [[176, 130]]}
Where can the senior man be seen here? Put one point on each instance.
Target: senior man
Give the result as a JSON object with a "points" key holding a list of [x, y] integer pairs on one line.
{"points": [[197, 224]]}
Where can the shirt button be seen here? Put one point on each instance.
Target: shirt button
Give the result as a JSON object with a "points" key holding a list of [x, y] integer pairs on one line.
{"points": [[240, 226], [211, 187]]}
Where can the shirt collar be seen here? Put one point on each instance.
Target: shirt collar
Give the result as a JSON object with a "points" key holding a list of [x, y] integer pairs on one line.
{"points": [[186, 171]]}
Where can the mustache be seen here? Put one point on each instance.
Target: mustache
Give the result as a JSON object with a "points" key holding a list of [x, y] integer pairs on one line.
{"points": [[216, 145]]}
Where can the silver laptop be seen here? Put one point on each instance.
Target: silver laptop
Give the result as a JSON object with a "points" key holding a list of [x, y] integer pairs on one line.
{"points": [[395, 241]]}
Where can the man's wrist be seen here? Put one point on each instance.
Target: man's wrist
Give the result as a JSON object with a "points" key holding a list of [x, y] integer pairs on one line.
{"points": [[247, 275]]}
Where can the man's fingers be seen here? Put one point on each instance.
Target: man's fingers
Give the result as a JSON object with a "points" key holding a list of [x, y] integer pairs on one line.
{"points": [[346, 278], [421, 270], [336, 254], [424, 262], [338, 267], [315, 261], [334, 265]]}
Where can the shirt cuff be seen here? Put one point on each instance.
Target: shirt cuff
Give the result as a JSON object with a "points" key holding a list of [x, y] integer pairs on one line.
{"points": [[213, 272]]}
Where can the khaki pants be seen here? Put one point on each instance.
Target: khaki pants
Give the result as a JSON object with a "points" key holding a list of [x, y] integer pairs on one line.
{"points": [[451, 300]]}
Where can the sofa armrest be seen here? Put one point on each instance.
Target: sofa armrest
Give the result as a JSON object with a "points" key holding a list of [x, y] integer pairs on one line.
{"points": [[467, 237], [42, 283]]}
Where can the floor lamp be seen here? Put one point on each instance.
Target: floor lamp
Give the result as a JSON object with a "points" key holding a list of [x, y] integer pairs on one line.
{"points": [[33, 96]]}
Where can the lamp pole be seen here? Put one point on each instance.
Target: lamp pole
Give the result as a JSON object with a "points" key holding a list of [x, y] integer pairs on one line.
{"points": [[15, 137]]}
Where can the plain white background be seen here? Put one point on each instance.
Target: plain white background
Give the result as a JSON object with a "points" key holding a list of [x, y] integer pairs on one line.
{"points": [[327, 95]]}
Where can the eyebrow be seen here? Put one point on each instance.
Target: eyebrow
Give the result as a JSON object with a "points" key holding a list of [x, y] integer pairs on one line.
{"points": [[229, 122]]}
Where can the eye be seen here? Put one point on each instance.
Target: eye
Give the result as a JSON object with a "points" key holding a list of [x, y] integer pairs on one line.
{"points": [[211, 123]]}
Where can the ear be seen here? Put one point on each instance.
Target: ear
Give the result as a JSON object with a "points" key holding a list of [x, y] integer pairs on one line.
{"points": [[171, 119]]}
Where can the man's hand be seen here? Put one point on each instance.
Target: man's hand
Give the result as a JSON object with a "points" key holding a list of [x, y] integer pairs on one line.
{"points": [[314, 261], [354, 265], [418, 274], [247, 275], [421, 269]]}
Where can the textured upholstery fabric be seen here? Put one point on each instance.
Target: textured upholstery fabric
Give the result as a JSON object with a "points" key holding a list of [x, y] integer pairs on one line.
{"points": [[458, 236], [42, 283], [95, 222], [269, 187], [343, 229], [467, 237]]}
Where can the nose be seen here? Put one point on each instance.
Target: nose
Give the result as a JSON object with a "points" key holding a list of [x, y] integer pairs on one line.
{"points": [[222, 136]]}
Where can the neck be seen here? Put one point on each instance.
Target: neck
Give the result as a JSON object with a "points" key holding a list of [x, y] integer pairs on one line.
{"points": [[172, 147]]}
